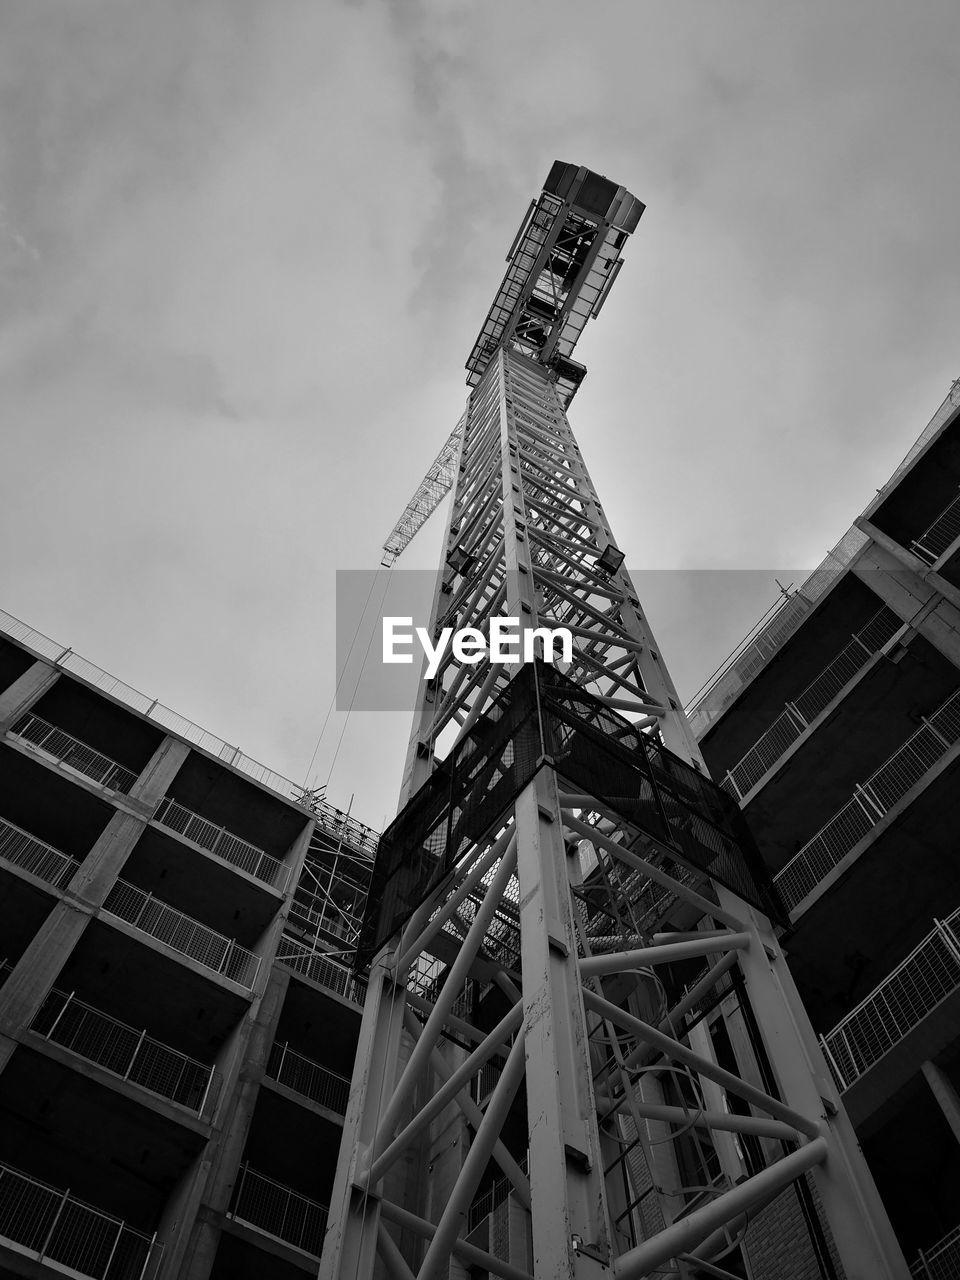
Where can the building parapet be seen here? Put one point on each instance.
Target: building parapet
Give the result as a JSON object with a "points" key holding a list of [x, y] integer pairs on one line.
{"points": [[53, 1226], [921, 981], [869, 804]]}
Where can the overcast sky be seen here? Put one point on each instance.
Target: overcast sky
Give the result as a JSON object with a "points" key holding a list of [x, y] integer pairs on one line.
{"points": [[245, 249]]}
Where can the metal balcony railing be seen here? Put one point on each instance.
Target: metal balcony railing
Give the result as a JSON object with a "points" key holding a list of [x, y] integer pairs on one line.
{"points": [[941, 1261], [355, 837], [321, 969], [181, 933], [934, 540], [929, 974], [870, 802], [800, 713], [308, 1078], [53, 1226], [222, 843], [279, 1211], [70, 751], [23, 850], [123, 1050], [485, 1204]]}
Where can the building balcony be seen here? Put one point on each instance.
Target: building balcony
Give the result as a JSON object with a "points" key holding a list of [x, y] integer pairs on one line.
{"points": [[222, 843], [125, 1051], [50, 1225], [188, 937], [21, 849], [308, 1078], [871, 801], [64, 749], [940, 535], [893, 1012], [941, 1261], [279, 1211], [801, 711], [321, 969]]}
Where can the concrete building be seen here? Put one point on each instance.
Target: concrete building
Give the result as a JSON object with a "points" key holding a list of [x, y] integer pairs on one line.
{"points": [[837, 727], [176, 1032]]}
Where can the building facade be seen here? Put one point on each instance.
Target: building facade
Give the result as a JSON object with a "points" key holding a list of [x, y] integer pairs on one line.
{"points": [[177, 1028], [837, 728]]}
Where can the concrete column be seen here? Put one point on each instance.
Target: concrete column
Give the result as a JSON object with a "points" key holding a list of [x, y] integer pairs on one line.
{"points": [[946, 1095], [913, 598], [36, 971], [244, 1058], [25, 691], [907, 560], [190, 1229], [154, 782]]}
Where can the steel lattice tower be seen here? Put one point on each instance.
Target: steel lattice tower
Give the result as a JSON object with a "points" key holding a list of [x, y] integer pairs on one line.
{"points": [[565, 895]]}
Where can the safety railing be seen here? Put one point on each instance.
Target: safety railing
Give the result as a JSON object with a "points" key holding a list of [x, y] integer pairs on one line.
{"points": [[222, 843], [53, 1226], [123, 1050], [320, 969], [70, 751], [935, 539], [490, 1199], [308, 1078], [215, 951], [870, 802], [42, 860], [941, 1261], [279, 1211], [799, 713], [929, 974], [354, 835]]}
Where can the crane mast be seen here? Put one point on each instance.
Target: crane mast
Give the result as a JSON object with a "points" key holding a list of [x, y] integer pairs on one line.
{"points": [[581, 1052]]}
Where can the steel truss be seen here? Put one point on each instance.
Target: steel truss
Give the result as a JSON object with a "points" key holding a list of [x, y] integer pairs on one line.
{"points": [[547, 1019]]}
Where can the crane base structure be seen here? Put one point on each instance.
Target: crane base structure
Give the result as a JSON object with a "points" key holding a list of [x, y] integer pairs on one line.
{"points": [[581, 1052]]}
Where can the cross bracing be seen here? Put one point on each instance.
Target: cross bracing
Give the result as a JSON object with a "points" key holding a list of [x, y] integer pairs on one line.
{"points": [[581, 1052]]}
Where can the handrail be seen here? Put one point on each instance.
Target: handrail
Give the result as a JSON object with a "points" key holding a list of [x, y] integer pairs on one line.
{"points": [[870, 802], [355, 835], [73, 752], [42, 860], [279, 1211], [222, 843], [126, 1051], [53, 1226], [911, 991], [320, 969], [308, 1078], [939, 534], [941, 1261], [180, 932], [802, 710]]}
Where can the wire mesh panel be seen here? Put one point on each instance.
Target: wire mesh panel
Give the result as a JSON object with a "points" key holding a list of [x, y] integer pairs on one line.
{"points": [[23, 850], [55, 1226], [280, 1211], [941, 1261], [934, 541], [122, 1049], [70, 751], [224, 844], [927, 976], [189, 937], [308, 1078], [320, 969]]}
